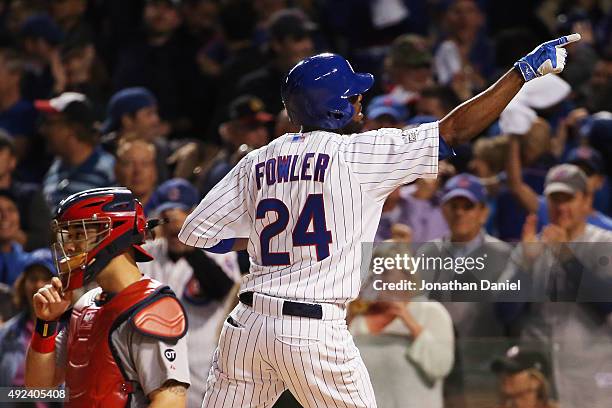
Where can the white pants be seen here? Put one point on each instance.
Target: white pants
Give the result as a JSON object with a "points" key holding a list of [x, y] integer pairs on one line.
{"points": [[269, 352]]}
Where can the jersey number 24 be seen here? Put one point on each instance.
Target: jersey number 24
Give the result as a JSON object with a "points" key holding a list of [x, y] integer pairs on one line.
{"points": [[312, 212]]}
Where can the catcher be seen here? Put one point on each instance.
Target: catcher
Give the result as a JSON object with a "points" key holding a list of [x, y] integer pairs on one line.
{"points": [[125, 343]]}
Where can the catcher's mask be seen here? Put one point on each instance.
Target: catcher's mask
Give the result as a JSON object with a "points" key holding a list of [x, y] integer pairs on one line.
{"points": [[93, 227]]}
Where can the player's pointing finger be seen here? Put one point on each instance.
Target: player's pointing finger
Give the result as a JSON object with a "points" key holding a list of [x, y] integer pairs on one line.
{"points": [[567, 39]]}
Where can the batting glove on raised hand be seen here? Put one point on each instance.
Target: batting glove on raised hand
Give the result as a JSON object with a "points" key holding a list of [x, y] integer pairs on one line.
{"points": [[546, 58]]}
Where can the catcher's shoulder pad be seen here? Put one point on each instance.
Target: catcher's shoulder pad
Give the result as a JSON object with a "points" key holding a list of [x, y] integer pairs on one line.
{"points": [[162, 318]]}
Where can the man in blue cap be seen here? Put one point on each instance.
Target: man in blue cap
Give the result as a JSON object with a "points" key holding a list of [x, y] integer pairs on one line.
{"points": [[15, 335], [133, 110], [201, 280], [465, 211], [384, 112], [132, 114]]}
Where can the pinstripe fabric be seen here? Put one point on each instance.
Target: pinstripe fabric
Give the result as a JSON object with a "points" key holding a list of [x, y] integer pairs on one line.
{"points": [[267, 354], [261, 352], [362, 170]]}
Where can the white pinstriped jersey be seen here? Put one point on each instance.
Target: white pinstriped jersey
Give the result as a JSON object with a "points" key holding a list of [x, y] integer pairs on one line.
{"points": [[306, 201]]}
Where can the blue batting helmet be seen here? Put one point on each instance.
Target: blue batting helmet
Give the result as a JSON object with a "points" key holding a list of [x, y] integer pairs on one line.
{"points": [[316, 91]]}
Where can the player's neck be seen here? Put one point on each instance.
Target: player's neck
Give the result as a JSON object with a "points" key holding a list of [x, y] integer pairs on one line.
{"points": [[120, 273]]}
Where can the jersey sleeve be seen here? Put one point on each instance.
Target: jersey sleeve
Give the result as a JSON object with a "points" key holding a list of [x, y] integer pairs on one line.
{"points": [[222, 214], [156, 361], [385, 159]]}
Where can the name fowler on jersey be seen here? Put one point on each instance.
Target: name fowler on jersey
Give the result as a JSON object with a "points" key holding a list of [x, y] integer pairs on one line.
{"points": [[283, 169]]}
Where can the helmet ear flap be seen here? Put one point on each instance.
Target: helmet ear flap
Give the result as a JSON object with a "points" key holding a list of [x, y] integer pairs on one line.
{"points": [[140, 223]]}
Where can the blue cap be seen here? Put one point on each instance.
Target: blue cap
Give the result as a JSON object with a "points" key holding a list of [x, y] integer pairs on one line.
{"points": [[465, 185], [42, 26], [173, 193], [597, 130], [43, 258], [588, 156], [386, 105], [126, 101]]}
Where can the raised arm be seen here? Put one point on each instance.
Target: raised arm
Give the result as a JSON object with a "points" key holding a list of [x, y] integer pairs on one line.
{"points": [[521, 190], [471, 117], [49, 304]]}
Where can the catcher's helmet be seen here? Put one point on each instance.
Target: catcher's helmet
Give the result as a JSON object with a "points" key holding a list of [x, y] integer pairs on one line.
{"points": [[316, 91], [92, 228]]}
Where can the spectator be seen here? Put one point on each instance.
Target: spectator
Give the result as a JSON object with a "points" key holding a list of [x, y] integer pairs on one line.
{"points": [[247, 126], [43, 75], [132, 114], [159, 62], [437, 101], [229, 58], [17, 115], [535, 151], [595, 93], [7, 309], [466, 55], [35, 217], [591, 162], [80, 163], [474, 318], [523, 380], [408, 67], [86, 74], [418, 207], [571, 287], [489, 156], [584, 54], [384, 112], [597, 133], [135, 169], [243, 55], [488, 163], [465, 211], [201, 280], [69, 15], [290, 42], [407, 344], [15, 335], [534, 203], [12, 256]]}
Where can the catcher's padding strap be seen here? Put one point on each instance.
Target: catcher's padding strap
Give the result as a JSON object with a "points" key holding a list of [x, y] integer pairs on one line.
{"points": [[43, 337], [163, 318]]}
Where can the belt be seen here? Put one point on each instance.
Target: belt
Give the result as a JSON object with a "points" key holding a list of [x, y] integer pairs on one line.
{"points": [[290, 308]]}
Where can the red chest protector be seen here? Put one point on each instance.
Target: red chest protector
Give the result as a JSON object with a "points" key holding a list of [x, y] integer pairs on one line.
{"points": [[95, 375]]}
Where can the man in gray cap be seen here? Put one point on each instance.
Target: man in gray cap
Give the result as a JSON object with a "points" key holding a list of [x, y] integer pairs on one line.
{"points": [[566, 270]]}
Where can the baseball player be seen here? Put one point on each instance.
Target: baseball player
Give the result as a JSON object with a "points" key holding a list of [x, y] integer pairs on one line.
{"points": [[301, 206], [124, 345]]}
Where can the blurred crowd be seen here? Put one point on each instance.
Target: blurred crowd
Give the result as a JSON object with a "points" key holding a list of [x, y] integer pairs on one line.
{"points": [[166, 96]]}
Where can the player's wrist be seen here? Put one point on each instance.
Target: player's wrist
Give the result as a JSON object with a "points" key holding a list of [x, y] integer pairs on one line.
{"points": [[43, 336], [526, 70]]}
